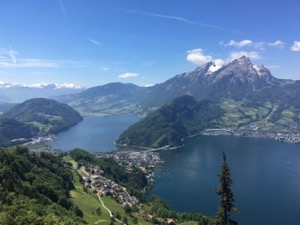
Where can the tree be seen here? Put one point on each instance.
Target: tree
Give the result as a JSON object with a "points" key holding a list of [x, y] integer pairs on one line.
{"points": [[227, 199]]}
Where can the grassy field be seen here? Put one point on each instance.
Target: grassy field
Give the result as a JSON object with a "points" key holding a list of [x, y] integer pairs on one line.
{"points": [[69, 159]]}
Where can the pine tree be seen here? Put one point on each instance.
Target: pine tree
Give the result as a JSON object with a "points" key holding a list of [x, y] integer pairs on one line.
{"points": [[227, 199]]}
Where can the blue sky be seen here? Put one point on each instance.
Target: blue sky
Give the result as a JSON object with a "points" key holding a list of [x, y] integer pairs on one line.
{"points": [[93, 42]]}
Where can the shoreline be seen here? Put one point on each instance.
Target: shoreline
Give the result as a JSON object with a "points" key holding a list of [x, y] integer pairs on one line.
{"points": [[282, 136]]}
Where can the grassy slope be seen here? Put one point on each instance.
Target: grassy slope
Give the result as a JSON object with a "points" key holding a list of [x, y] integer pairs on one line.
{"points": [[89, 203]]}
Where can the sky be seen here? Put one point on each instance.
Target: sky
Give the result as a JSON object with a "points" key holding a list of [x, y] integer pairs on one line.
{"points": [[94, 42]]}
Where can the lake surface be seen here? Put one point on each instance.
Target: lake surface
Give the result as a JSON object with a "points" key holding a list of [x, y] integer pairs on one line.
{"points": [[265, 173], [94, 133]]}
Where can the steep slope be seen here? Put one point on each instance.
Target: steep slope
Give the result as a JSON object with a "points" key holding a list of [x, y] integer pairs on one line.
{"points": [[48, 115], [168, 125]]}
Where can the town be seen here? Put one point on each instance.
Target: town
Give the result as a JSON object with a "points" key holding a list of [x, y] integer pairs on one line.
{"points": [[291, 136]]}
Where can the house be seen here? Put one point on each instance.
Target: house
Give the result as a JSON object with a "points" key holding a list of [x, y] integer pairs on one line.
{"points": [[87, 185], [170, 221]]}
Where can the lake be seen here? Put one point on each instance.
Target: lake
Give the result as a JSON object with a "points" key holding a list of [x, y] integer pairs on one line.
{"points": [[265, 173], [94, 133]]}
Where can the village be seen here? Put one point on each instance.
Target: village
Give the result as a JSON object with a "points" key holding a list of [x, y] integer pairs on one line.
{"points": [[94, 177]]}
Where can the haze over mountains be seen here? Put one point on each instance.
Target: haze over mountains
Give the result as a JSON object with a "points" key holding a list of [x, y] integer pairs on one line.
{"points": [[16, 93]]}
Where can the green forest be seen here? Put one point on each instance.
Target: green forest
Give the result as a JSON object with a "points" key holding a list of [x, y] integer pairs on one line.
{"points": [[35, 189]]}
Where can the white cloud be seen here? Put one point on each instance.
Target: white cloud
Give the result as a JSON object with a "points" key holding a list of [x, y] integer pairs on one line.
{"points": [[239, 44], [127, 75], [251, 55], [94, 42], [197, 56], [249, 43], [296, 46], [277, 44]]}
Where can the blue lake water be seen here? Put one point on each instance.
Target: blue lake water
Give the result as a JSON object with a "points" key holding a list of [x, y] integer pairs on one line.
{"points": [[94, 133], [265, 173]]}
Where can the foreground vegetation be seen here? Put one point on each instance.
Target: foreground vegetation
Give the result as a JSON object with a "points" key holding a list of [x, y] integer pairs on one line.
{"points": [[35, 190], [48, 189]]}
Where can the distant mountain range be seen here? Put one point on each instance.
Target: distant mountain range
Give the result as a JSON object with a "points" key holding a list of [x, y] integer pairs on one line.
{"points": [[35, 117], [245, 91], [16, 93]]}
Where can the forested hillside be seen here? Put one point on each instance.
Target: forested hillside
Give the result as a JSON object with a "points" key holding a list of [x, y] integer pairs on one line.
{"points": [[48, 115], [168, 125], [35, 189]]}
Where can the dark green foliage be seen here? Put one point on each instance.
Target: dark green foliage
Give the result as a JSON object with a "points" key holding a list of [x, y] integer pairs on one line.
{"points": [[11, 129], [52, 115], [227, 199], [161, 209], [35, 190], [134, 182], [171, 123]]}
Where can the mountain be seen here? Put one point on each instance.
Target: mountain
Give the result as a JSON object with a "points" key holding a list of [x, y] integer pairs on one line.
{"points": [[13, 93], [247, 93], [109, 99], [168, 125], [49, 116], [238, 80]]}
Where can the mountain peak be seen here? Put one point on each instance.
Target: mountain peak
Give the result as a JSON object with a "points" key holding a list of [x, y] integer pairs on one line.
{"points": [[243, 61]]}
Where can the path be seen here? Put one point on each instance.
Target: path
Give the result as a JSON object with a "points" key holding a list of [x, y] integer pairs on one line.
{"points": [[110, 213]]}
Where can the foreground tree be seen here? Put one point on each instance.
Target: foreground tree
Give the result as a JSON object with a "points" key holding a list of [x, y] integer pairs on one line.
{"points": [[227, 199]]}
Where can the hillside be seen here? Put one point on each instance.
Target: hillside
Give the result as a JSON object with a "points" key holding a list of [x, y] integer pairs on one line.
{"points": [[174, 121], [13, 132], [106, 100], [49, 116], [35, 190]]}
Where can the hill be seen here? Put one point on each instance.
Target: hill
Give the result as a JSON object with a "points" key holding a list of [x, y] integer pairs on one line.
{"points": [[167, 126], [49, 116], [35, 189]]}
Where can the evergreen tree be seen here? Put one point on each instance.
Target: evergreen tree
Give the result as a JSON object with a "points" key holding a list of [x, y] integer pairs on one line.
{"points": [[227, 199]]}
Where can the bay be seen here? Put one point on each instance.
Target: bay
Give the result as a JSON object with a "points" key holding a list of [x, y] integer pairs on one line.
{"points": [[94, 133], [265, 173]]}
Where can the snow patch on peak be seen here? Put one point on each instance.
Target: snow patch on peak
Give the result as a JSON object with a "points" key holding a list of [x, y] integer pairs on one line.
{"points": [[213, 68], [260, 69], [41, 85], [218, 64]]}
